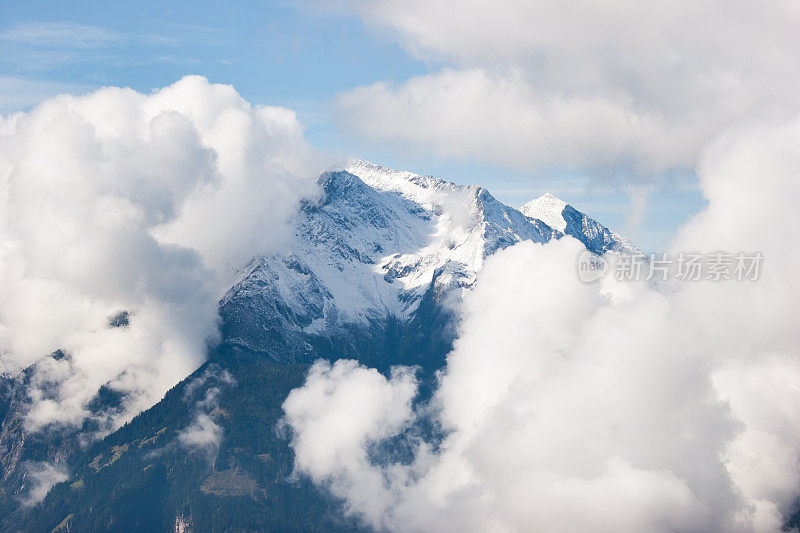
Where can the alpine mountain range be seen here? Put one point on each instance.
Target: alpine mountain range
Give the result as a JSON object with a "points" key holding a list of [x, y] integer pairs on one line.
{"points": [[375, 271]]}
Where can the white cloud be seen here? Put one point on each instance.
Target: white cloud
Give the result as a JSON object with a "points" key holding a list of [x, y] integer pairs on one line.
{"points": [[202, 435], [619, 86], [340, 410], [213, 373], [119, 201], [41, 477], [505, 120], [615, 407]]}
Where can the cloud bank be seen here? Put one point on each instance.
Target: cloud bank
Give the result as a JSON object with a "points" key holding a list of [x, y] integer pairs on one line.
{"points": [[118, 201], [616, 406], [620, 86]]}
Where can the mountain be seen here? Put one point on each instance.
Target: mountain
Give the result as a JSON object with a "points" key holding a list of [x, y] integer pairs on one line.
{"points": [[378, 249], [375, 270], [567, 220]]}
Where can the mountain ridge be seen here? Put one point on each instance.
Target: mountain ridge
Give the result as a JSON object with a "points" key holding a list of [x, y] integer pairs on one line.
{"points": [[569, 221], [375, 271]]}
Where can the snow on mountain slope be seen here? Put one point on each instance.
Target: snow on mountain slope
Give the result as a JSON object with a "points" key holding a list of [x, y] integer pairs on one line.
{"points": [[469, 223], [566, 219], [548, 209], [371, 248]]}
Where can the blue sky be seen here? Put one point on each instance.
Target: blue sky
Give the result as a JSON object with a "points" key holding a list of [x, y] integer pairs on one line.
{"points": [[293, 54]]}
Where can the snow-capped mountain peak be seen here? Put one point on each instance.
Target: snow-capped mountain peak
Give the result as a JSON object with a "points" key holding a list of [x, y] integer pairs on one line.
{"points": [[375, 246], [548, 209], [427, 191], [566, 219]]}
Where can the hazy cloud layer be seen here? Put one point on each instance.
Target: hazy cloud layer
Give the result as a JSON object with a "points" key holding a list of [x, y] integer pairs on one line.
{"points": [[617, 406], [120, 201], [204, 435], [59, 34], [40, 478], [621, 86]]}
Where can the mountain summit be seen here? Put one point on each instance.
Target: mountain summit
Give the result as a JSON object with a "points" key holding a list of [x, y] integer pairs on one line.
{"points": [[378, 246], [564, 218]]}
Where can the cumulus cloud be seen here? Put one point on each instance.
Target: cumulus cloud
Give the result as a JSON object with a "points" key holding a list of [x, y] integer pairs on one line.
{"points": [[118, 201], [619, 86], [615, 406], [19, 93], [331, 444]]}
